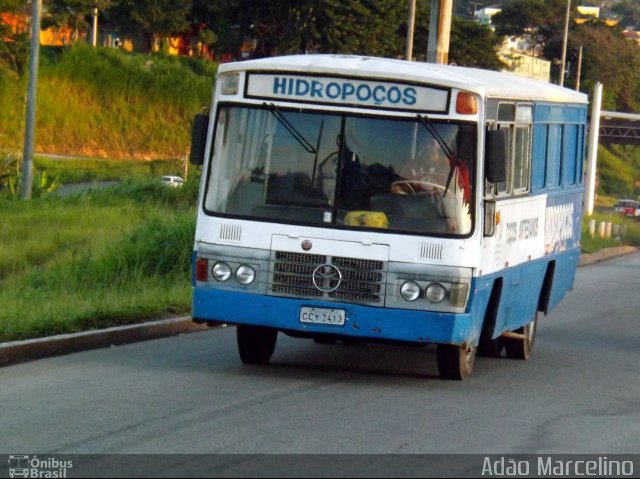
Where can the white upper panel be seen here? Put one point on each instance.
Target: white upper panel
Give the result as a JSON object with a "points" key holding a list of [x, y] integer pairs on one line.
{"points": [[483, 82]]}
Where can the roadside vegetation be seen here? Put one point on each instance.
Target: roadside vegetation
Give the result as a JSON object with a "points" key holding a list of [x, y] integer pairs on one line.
{"points": [[629, 231], [95, 259], [73, 260]]}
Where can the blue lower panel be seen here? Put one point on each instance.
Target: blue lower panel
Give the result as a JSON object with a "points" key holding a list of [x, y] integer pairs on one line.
{"points": [[362, 321]]}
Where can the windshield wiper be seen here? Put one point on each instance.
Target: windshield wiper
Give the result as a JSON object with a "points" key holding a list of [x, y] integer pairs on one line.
{"points": [[453, 161], [291, 129]]}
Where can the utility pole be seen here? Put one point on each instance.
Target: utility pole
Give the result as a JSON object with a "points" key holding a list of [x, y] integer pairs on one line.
{"points": [[564, 42], [412, 21], [579, 69], [592, 155], [26, 181], [439, 31], [94, 29]]}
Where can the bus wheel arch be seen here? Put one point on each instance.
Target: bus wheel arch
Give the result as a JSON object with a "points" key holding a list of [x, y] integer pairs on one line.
{"points": [[547, 285], [489, 346]]}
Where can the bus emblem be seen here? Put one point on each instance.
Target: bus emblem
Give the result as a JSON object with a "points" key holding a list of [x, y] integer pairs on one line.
{"points": [[327, 278], [306, 245]]}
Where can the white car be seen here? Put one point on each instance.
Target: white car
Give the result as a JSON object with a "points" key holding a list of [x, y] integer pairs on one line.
{"points": [[173, 181]]}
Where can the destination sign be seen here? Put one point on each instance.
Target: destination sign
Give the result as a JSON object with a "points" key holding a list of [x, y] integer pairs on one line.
{"points": [[347, 91]]}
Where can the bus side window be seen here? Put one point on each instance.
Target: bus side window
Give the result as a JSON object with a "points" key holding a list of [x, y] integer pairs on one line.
{"points": [[522, 149], [490, 190], [506, 121]]}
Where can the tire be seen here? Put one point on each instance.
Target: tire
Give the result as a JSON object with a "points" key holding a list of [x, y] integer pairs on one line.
{"points": [[491, 348], [256, 344], [522, 349], [455, 362]]}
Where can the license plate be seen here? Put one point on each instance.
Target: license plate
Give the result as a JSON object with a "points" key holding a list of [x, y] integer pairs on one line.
{"points": [[334, 317]]}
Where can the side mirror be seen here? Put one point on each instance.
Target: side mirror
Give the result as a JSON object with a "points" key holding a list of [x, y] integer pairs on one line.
{"points": [[198, 139], [496, 154], [489, 218]]}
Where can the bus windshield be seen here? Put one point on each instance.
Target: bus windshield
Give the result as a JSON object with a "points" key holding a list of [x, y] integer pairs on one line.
{"points": [[339, 170]]}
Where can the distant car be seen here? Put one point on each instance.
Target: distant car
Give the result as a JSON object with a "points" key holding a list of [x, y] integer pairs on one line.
{"points": [[173, 181], [628, 208]]}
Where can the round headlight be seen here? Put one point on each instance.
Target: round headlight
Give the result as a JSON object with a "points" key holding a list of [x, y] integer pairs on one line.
{"points": [[435, 292], [410, 291], [221, 271], [245, 274]]}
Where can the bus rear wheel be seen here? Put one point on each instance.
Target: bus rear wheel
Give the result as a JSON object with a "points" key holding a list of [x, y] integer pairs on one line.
{"points": [[522, 348], [455, 362], [256, 344]]}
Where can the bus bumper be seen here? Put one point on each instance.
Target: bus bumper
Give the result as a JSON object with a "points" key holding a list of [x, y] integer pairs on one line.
{"points": [[361, 321]]}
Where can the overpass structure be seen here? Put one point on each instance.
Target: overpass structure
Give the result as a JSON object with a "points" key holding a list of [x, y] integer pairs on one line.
{"points": [[619, 128]]}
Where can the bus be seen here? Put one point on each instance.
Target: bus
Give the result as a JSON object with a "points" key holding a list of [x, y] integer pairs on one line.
{"points": [[358, 199]]}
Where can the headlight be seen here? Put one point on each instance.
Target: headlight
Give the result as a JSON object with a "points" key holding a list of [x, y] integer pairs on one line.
{"points": [[435, 292], [245, 274], [410, 291], [221, 271], [229, 83]]}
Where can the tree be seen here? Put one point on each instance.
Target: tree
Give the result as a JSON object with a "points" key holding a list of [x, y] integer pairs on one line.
{"points": [[612, 60], [607, 58], [471, 45], [227, 19], [14, 44], [154, 18], [474, 45], [628, 11], [207, 38], [539, 21]]}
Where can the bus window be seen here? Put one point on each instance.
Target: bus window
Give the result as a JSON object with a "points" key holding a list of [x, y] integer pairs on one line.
{"points": [[554, 155], [569, 154], [506, 121], [310, 167]]}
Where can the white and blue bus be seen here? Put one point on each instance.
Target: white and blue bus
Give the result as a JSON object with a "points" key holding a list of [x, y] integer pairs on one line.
{"points": [[349, 198]]}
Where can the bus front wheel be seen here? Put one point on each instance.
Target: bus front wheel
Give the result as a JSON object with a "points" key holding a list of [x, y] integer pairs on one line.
{"points": [[522, 348], [455, 362], [256, 344]]}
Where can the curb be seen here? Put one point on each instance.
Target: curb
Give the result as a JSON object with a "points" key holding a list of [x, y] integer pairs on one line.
{"points": [[605, 254], [30, 349], [20, 351]]}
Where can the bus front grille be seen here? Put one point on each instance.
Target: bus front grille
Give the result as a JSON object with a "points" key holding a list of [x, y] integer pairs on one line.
{"points": [[360, 281]]}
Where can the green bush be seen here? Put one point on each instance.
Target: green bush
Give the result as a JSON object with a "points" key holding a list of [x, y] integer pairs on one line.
{"points": [[95, 259]]}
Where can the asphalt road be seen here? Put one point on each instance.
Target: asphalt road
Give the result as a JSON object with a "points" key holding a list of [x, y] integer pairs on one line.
{"points": [[580, 392]]}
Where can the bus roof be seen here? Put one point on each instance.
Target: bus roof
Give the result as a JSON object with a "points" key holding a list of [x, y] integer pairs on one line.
{"points": [[486, 83]]}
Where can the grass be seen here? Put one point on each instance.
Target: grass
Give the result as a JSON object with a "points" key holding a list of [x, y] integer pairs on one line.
{"points": [[108, 103], [97, 259], [77, 170], [618, 169], [630, 232]]}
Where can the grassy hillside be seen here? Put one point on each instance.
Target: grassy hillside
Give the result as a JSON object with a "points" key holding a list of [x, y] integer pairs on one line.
{"points": [[108, 103], [618, 171]]}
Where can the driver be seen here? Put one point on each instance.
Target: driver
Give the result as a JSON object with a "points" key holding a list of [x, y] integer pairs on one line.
{"points": [[425, 174]]}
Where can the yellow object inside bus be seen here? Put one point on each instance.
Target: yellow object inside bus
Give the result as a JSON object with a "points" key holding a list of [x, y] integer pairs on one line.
{"points": [[372, 219]]}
